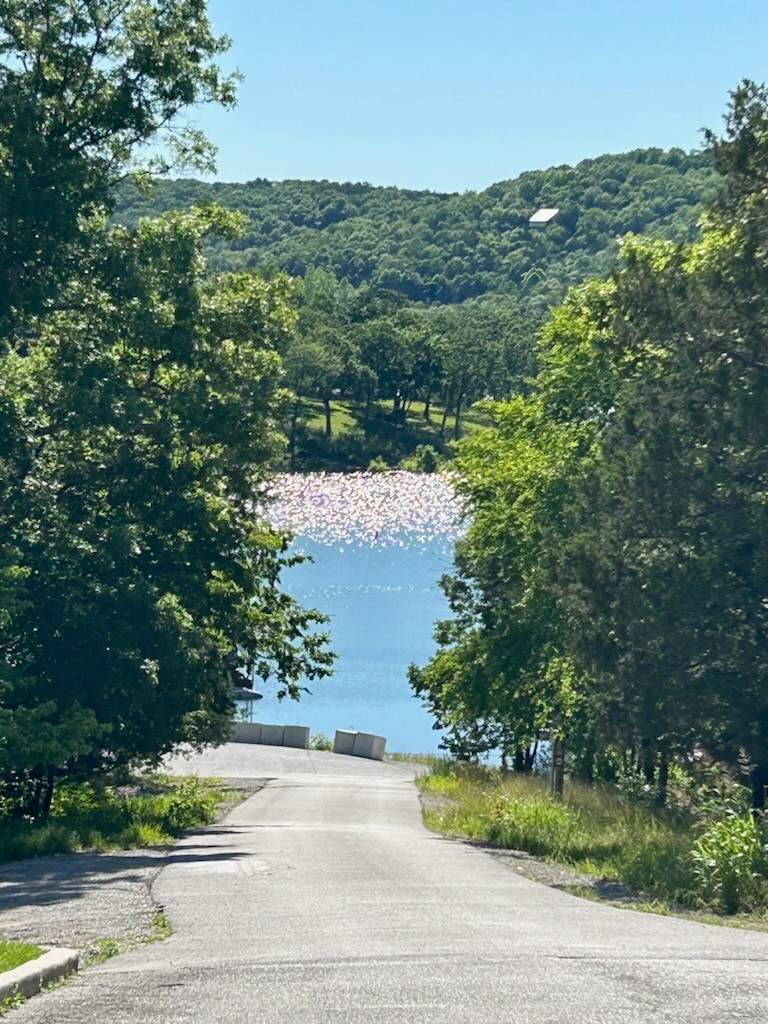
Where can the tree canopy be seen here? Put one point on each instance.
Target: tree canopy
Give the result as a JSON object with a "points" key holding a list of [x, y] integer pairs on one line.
{"points": [[140, 406], [415, 299], [446, 248], [612, 585]]}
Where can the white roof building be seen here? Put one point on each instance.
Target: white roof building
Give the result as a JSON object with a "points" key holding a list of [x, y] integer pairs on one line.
{"points": [[542, 217]]}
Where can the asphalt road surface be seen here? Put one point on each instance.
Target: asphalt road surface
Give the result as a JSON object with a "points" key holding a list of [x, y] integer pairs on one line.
{"points": [[323, 899]]}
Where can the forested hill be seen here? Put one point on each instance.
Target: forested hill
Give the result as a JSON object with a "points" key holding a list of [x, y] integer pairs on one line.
{"points": [[434, 247]]}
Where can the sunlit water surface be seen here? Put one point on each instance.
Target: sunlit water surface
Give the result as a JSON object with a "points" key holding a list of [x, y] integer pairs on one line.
{"points": [[379, 544]]}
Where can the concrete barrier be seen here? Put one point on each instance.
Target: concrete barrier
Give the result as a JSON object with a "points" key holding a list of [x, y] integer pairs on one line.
{"points": [[246, 732], [296, 736], [359, 744], [368, 745], [271, 735], [344, 741], [28, 979]]}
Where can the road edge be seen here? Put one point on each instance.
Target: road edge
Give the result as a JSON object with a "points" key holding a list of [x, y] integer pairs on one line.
{"points": [[28, 979]]}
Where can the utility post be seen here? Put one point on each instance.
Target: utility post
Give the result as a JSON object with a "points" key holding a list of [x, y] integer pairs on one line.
{"points": [[558, 758]]}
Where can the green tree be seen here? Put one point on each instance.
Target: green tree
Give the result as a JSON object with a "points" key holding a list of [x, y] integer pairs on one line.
{"points": [[140, 403], [619, 542], [83, 88]]}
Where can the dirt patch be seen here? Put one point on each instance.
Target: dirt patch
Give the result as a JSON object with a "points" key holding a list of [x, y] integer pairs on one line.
{"points": [[560, 876]]}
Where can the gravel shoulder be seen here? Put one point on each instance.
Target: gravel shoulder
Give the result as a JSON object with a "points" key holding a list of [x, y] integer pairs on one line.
{"points": [[80, 900]]}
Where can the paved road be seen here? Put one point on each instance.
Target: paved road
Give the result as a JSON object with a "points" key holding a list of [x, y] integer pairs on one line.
{"points": [[323, 899]]}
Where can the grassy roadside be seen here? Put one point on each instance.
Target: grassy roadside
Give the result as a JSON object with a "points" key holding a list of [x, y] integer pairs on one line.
{"points": [[14, 954], [674, 859], [148, 810]]}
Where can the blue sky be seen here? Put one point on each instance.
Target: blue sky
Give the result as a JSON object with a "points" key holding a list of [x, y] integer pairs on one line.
{"points": [[454, 95]]}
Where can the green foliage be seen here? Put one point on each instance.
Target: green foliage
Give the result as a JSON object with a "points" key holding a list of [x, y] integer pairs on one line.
{"points": [[82, 87], [140, 409], [612, 582], [188, 803], [436, 248], [730, 862], [425, 459], [14, 954], [720, 864], [538, 825], [161, 926], [319, 741], [94, 815], [420, 299]]}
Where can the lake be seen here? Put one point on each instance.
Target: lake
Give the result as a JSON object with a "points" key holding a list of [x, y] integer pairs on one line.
{"points": [[379, 544]]}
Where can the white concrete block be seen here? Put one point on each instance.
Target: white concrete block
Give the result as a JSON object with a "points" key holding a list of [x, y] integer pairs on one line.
{"points": [[272, 735], [246, 732], [296, 736], [344, 741], [368, 745]]}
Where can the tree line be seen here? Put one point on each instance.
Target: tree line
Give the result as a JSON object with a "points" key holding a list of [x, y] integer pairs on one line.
{"points": [[414, 301], [612, 586], [445, 248]]}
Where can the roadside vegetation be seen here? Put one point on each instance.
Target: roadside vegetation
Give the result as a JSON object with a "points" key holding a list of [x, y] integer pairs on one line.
{"points": [[140, 401], [610, 591], [14, 954], [704, 851], [144, 811]]}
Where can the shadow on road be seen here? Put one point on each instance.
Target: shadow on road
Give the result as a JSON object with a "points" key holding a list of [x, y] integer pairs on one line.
{"points": [[69, 876]]}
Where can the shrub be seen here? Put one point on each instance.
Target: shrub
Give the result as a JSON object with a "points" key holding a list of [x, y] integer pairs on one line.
{"points": [[425, 459], [730, 863], [188, 804], [319, 741], [538, 825], [95, 816]]}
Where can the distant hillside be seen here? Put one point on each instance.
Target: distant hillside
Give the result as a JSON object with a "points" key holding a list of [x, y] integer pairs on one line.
{"points": [[433, 247]]}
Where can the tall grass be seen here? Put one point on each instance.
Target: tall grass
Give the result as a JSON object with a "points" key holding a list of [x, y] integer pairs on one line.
{"points": [[95, 816], [720, 864]]}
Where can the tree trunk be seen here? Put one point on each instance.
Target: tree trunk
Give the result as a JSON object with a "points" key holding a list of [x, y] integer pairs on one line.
{"points": [[50, 778], [646, 762], [459, 400], [292, 439], [662, 781], [327, 407], [588, 769], [759, 780], [558, 766], [427, 403], [32, 807], [446, 410]]}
